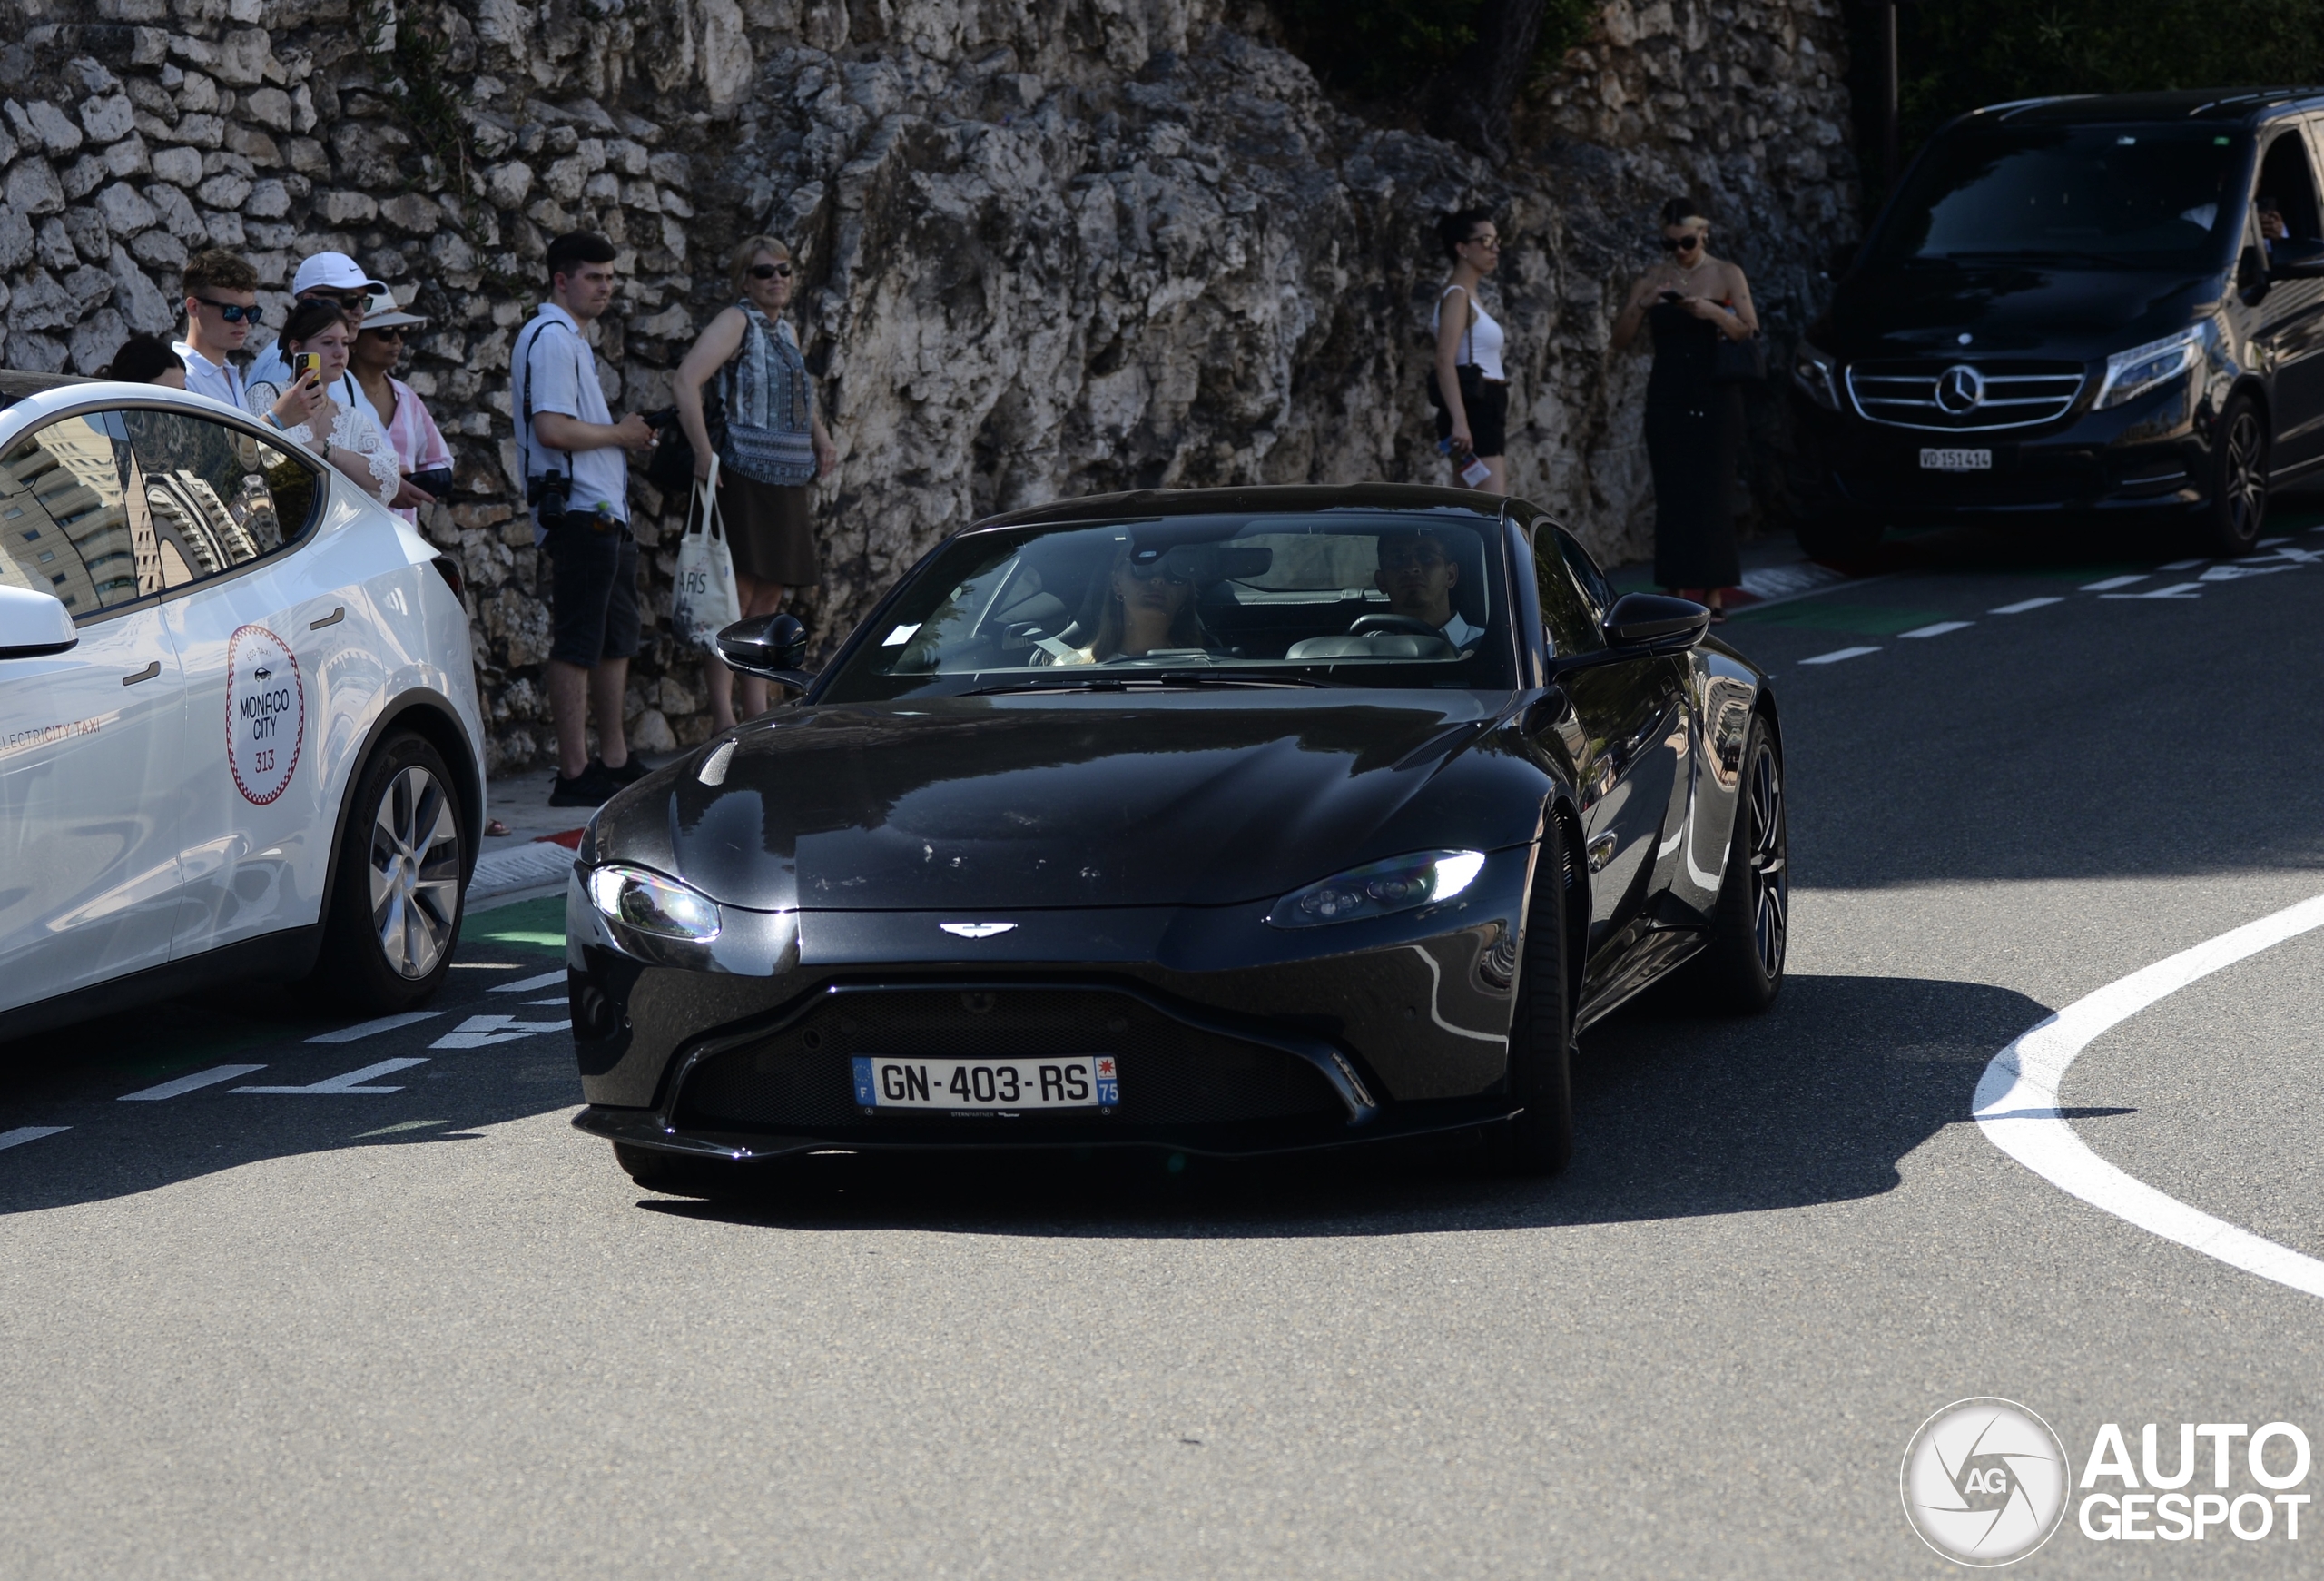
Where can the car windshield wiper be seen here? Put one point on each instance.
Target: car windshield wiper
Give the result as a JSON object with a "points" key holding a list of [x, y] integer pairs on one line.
{"points": [[1154, 680]]}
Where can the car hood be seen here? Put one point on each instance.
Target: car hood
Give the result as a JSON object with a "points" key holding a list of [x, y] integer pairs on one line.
{"points": [[2015, 309], [1010, 803]]}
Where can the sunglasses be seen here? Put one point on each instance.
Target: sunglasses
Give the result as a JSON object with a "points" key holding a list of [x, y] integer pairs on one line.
{"points": [[1681, 243], [1491, 242], [392, 332], [359, 304], [234, 312], [770, 271], [1177, 576]]}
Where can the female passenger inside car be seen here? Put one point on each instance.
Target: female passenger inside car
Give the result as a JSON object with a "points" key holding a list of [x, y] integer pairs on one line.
{"points": [[1148, 605]]}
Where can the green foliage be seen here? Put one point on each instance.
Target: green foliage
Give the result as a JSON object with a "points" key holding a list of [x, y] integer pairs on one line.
{"points": [[1385, 49], [408, 60], [1956, 55]]}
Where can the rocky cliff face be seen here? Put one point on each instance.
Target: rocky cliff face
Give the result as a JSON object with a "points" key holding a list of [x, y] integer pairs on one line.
{"points": [[1048, 247]]}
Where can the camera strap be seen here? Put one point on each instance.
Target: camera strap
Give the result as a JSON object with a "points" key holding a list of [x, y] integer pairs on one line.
{"points": [[532, 440]]}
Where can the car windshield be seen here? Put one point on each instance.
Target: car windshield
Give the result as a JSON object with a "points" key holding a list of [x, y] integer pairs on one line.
{"points": [[2105, 196], [1406, 598]]}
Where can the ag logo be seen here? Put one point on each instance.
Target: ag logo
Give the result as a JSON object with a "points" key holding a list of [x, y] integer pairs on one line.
{"points": [[1984, 1482], [265, 714]]}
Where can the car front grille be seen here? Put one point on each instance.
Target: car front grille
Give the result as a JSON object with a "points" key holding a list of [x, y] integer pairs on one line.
{"points": [[1171, 1073], [1934, 396]]}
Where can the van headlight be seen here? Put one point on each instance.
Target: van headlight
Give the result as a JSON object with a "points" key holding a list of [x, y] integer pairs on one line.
{"points": [[652, 903], [1817, 374], [1378, 888], [2130, 374]]}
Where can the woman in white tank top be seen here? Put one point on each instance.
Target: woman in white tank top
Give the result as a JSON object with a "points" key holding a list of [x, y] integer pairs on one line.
{"points": [[1468, 385]]}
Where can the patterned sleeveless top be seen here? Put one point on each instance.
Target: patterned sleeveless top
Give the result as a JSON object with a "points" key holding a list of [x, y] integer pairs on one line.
{"points": [[769, 404]]}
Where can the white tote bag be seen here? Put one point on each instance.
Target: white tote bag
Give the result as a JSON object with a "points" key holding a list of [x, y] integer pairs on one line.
{"points": [[705, 601]]}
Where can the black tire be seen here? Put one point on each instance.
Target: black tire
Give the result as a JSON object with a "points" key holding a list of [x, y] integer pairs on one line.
{"points": [[1840, 537], [397, 896], [1539, 1139], [1741, 969], [2231, 523]]}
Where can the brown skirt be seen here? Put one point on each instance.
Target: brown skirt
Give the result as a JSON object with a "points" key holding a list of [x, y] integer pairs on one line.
{"points": [[768, 530]]}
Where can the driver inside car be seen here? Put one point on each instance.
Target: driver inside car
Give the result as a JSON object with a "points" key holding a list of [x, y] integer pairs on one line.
{"points": [[1149, 607], [1419, 576]]}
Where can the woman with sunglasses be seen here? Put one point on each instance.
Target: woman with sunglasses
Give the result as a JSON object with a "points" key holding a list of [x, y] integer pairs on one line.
{"points": [[1694, 422], [1467, 384], [773, 446], [1146, 602], [421, 455], [343, 433]]}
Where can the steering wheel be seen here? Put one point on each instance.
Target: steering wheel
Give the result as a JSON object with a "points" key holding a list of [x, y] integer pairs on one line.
{"points": [[1393, 625]]}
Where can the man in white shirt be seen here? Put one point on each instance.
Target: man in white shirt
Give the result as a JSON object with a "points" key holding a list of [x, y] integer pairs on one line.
{"points": [[221, 310], [568, 440], [1419, 576]]}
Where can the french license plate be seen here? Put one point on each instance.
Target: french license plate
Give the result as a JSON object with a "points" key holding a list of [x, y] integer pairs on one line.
{"points": [[1933, 460], [1065, 1082]]}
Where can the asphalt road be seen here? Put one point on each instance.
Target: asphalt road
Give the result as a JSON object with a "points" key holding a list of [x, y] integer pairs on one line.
{"points": [[432, 1331]]}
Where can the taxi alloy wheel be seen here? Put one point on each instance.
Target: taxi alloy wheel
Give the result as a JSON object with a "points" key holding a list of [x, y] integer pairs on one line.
{"points": [[396, 896], [415, 873]]}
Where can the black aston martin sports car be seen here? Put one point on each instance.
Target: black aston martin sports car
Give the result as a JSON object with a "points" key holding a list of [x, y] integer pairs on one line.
{"points": [[1224, 821]]}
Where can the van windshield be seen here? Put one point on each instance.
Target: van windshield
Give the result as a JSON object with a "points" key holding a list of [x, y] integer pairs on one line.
{"points": [[2100, 197]]}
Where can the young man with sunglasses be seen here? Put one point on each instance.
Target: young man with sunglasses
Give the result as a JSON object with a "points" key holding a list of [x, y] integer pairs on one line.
{"points": [[220, 310]]}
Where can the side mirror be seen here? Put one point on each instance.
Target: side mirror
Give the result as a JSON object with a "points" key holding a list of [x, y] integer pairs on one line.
{"points": [[33, 624], [772, 647], [1643, 623], [2252, 274]]}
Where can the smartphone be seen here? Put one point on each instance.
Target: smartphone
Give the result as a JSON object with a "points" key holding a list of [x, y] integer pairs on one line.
{"points": [[303, 364], [1672, 296]]}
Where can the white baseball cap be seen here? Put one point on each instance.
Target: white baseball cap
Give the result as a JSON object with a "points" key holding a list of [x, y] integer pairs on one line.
{"points": [[334, 270]]}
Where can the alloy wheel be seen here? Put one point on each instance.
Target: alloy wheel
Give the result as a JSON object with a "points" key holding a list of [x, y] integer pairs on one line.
{"points": [[1770, 882], [415, 871], [2246, 478]]}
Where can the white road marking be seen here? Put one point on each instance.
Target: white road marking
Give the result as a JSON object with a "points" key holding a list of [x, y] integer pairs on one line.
{"points": [[347, 1034], [193, 1083], [2237, 573], [1939, 629], [527, 984], [2176, 590], [24, 1134], [559, 999], [1838, 653], [2021, 607], [400, 1125], [2301, 557], [350, 1083], [2187, 565], [2265, 543], [480, 1031], [2111, 583], [2016, 1103]]}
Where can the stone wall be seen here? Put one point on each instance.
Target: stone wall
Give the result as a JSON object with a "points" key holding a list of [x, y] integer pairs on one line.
{"points": [[1048, 246]]}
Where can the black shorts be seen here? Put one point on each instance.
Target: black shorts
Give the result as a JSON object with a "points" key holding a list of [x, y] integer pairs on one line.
{"points": [[1488, 420], [593, 593]]}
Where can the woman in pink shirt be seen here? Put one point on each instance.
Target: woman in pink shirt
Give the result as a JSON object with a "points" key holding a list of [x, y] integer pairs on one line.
{"points": [[420, 450]]}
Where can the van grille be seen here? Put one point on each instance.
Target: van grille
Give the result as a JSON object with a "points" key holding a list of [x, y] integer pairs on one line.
{"points": [[1963, 397]]}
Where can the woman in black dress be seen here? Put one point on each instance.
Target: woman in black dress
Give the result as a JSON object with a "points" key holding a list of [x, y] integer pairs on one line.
{"points": [[1694, 423]]}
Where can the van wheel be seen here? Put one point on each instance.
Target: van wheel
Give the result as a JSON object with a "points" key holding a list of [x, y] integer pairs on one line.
{"points": [[1841, 539], [397, 898], [2239, 481]]}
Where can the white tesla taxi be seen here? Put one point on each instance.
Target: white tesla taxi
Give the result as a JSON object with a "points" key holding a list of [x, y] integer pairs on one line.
{"points": [[239, 733]]}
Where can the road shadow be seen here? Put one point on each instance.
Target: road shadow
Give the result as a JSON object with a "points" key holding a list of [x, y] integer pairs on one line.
{"points": [[1678, 1116], [75, 1078]]}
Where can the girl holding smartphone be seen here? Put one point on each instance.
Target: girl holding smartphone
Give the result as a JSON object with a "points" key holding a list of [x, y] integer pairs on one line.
{"points": [[344, 434]]}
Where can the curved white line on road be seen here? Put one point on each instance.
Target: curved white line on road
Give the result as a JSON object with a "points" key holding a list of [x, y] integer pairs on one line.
{"points": [[2017, 1104]]}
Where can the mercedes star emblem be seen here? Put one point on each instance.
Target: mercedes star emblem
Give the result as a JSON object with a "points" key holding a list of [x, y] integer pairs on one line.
{"points": [[1960, 389]]}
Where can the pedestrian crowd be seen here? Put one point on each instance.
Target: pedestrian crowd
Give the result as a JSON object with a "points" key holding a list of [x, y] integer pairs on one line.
{"points": [[327, 381]]}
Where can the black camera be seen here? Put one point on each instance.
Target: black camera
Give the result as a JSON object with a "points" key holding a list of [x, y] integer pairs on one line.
{"points": [[548, 494]]}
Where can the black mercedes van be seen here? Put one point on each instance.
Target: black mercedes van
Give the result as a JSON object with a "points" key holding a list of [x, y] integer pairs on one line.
{"points": [[2090, 307]]}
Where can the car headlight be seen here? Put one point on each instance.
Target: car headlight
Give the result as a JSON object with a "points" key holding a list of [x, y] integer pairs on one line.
{"points": [[652, 903], [1378, 888], [1819, 375], [2130, 374]]}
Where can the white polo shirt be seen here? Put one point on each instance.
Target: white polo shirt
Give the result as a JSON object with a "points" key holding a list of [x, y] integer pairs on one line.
{"points": [[218, 381], [553, 366]]}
